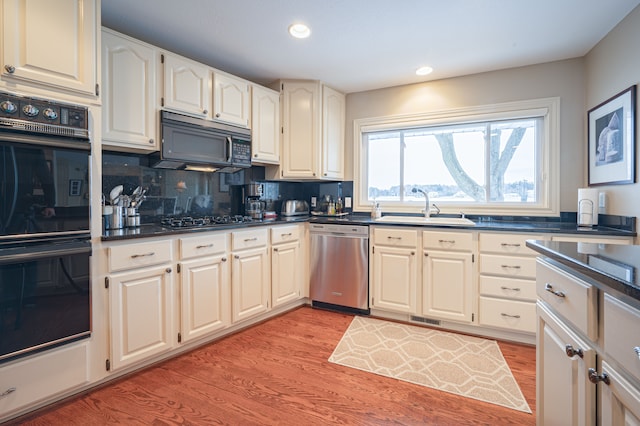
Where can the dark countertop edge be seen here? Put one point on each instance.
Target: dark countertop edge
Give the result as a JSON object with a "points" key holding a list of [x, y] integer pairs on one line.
{"points": [[604, 281], [152, 230]]}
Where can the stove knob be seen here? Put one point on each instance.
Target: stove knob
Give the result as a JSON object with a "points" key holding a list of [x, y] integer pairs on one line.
{"points": [[30, 110], [50, 114], [8, 107]]}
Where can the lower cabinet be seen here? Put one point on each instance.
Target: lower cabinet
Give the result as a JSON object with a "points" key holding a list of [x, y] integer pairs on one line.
{"points": [[287, 268], [141, 314], [619, 399], [250, 274]]}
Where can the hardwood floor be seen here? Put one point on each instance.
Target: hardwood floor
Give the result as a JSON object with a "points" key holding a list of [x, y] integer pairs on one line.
{"points": [[278, 373]]}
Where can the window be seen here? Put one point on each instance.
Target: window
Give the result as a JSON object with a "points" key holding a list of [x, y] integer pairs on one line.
{"points": [[482, 160]]}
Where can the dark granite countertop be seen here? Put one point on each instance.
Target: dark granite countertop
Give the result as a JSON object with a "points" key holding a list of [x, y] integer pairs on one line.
{"points": [[612, 266], [611, 226]]}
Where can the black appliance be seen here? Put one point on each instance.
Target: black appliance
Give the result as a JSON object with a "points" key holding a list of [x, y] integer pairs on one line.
{"points": [[45, 244], [191, 143]]}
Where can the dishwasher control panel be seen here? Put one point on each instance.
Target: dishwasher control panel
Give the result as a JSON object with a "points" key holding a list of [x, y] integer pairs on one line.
{"points": [[342, 229]]}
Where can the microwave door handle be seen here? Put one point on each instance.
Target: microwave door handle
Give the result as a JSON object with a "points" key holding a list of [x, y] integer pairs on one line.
{"points": [[229, 149]]}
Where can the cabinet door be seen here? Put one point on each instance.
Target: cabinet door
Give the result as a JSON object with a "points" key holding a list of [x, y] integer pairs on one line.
{"points": [[129, 117], [51, 43], [333, 111], [619, 399], [564, 394], [230, 99], [301, 129], [140, 306], [186, 86], [204, 296], [447, 285], [395, 279], [250, 283], [265, 125], [286, 265]]}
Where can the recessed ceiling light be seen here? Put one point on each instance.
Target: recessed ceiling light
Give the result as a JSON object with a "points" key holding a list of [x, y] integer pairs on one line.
{"points": [[299, 30], [424, 70]]}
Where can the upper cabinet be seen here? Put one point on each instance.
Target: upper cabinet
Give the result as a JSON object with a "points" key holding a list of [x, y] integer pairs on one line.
{"points": [[50, 43], [312, 131], [186, 85], [265, 125], [230, 99], [129, 112]]}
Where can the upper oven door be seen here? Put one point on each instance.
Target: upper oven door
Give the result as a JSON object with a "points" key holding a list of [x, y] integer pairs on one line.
{"points": [[44, 188]]}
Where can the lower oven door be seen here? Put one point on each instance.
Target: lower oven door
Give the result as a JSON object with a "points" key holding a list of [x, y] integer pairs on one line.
{"points": [[45, 296]]}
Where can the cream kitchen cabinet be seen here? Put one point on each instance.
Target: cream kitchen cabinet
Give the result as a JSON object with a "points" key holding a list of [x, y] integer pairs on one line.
{"points": [[312, 131], [250, 273], [287, 268], [448, 279], [507, 281], [395, 270], [51, 43], [231, 99], [129, 110], [186, 86], [265, 125], [141, 299], [205, 294]]}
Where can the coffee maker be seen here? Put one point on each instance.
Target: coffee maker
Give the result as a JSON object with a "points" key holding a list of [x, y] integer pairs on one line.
{"points": [[246, 200]]}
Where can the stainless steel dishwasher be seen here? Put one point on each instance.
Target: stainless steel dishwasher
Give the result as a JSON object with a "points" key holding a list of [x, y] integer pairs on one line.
{"points": [[340, 266]]}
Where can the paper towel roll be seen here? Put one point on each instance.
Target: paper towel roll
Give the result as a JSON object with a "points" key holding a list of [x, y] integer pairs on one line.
{"points": [[587, 207]]}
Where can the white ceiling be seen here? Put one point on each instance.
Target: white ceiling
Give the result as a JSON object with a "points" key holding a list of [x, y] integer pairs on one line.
{"points": [[358, 45]]}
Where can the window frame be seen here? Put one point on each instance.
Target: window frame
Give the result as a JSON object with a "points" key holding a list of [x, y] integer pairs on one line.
{"points": [[548, 179]]}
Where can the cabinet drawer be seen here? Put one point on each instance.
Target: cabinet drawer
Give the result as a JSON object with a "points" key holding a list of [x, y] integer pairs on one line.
{"points": [[462, 241], [138, 255], [508, 288], [283, 234], [511, 314], [241, 240], [622, 334], [44, 376], [510, 266], [203, 245], [508, 243], [395, 237], [569, 296]]}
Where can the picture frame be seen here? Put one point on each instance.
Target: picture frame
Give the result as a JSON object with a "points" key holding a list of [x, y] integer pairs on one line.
{"points": [[227, 179], [611, 140]]}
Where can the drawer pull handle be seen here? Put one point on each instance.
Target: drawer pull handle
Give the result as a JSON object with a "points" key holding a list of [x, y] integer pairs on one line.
{"points": [[251, 239], [135, 256], [7, 392], [510, 288], [447, 241], [204, 246], [510, 245], [571, 352], [511, 266], [637, 351], [288, 234], [595, 378], [509, 316], [548, 287], [393, 238]]}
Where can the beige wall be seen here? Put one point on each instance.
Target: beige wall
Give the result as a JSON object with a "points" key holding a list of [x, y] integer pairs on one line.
{"points": [[612, 66], [564, 79]]}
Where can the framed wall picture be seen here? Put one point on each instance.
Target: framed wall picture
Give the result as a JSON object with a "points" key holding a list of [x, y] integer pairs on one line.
{"points": [[611, 136]]}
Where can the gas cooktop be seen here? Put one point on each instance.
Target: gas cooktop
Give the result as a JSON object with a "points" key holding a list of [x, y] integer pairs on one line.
{"points": [[203, 221]]}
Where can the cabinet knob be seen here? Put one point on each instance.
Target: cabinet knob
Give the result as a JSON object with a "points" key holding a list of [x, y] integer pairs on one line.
{"points": [[224, 259], [255, 155], [10, 69], [217, 115], [572, 352], [275, 249], [205, 111], [151, 141], [168, 270], [596, 378]]}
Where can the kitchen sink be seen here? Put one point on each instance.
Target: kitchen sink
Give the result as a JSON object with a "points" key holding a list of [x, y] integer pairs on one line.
{"points": [[419, 220]]}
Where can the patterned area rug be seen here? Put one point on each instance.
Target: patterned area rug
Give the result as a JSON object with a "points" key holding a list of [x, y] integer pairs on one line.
{"points": [[455, 363]]}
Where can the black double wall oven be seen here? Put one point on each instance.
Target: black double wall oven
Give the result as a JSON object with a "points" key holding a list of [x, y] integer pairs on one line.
{"points": [[45, 246]]}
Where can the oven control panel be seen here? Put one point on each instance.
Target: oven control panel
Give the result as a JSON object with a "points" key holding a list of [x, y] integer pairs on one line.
{"points": [[34, 110]]}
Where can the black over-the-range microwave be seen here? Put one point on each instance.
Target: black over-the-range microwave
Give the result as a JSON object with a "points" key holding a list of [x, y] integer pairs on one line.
{"points": [[192, 143]]}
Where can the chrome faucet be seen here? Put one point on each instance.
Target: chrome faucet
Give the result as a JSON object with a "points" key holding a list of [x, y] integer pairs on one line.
{"points": [[427, 210]]}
